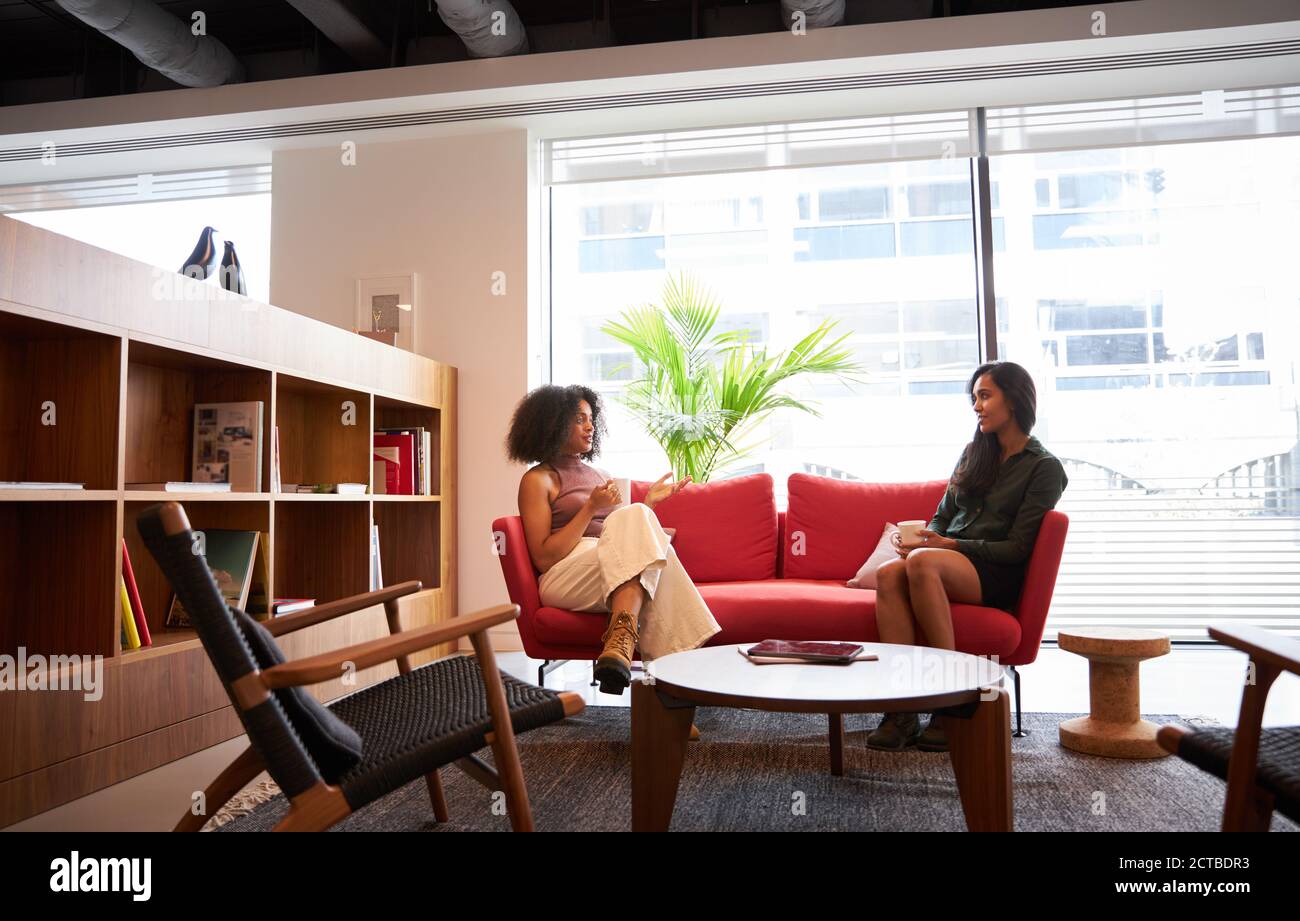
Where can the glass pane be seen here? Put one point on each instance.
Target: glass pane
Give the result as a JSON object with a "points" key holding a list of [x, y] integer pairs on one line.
{"points": [[1159, 321], [164, 233], [820, 243]]}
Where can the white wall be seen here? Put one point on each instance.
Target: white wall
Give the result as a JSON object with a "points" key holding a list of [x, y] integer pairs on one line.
{"points": [[454, 211]]}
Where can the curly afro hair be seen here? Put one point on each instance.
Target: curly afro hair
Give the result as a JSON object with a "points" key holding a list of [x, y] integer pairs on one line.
{"points": [[540, 426]]}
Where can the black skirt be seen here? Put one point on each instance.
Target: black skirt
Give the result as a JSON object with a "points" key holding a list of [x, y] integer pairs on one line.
{"points": [[1000, 583]]}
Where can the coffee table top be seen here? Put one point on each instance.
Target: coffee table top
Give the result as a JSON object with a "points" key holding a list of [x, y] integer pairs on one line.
{"points": [[903, 678]]}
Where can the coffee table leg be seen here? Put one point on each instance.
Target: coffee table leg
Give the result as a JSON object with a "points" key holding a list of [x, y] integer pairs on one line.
{"points": [[837, 743], [661, 726], [981, 758]]}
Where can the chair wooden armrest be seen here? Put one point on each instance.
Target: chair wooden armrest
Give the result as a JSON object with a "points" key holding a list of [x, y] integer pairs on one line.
{"points": [[323, 667], [1265, 647], [278, 626]]}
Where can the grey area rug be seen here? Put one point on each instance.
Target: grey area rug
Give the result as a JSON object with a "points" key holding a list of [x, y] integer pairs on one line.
{"points": [[758, 771]]}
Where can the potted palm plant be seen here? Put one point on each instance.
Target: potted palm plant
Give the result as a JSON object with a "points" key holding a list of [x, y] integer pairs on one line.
{"points": [[704, 394]]}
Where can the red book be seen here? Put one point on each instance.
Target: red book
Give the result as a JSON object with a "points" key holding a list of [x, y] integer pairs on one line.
{"points": [[133, 592], [406, 468]]}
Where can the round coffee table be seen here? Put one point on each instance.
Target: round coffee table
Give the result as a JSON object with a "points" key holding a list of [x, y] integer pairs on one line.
{"points": [[967, 689], [1114, 728]]}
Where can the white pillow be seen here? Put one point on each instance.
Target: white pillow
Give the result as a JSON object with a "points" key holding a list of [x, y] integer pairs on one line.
{"points": [[884, 552]]}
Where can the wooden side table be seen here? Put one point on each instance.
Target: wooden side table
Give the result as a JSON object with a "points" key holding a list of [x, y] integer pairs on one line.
{"points": [[1114, 728]]}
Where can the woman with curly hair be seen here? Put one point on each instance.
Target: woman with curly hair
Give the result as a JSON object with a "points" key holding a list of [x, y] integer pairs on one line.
{"points": [[594, 552], [977, 545]]}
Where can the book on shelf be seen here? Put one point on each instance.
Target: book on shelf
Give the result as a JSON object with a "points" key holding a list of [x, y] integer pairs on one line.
{"points": [[340, 489], [282, 606], [179, 486], [275, 459], [404, 443], [29, 484], [133, 592], [376, 567], [426, 464], [128, 619], [386, 464], [231, 555], [228, 444], [259, 589]]}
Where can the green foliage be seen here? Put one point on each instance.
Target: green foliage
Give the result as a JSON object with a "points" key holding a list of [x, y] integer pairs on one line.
{"points": [[704, 394]]}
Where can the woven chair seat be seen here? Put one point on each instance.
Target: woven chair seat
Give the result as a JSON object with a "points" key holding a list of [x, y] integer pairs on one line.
{"points": [[413, 723], [1278, 767]]}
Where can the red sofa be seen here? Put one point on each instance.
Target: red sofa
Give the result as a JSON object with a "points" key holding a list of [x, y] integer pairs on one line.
{"points": [[780, 575]]}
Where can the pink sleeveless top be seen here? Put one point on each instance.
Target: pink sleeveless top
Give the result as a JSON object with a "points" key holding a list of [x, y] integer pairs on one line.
{"points": [[577, 480]]}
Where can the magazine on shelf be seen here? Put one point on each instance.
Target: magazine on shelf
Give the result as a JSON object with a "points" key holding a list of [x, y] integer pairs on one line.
{"points": [[179, 486], [228, 444]]}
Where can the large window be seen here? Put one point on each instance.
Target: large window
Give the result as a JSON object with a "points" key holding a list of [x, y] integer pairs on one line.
{"points": [[1150, 288]]}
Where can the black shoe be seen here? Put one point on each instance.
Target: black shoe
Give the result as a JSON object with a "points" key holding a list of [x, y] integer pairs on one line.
{"points": [[232, 276], [933, 739], [896, 732], [203, 261]]}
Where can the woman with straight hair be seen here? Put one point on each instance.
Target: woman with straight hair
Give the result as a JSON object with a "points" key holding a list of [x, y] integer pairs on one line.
{"points": [[977, 545], [594, 550]]}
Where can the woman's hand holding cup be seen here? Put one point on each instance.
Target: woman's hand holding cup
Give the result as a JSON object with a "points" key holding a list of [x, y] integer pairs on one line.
{"points": [[604, 496]]}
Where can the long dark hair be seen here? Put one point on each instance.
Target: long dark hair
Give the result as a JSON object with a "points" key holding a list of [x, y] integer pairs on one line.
{"points": [[542, 420], [980, 459]]}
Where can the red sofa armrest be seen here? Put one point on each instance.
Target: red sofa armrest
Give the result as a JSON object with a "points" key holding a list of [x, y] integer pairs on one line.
{"points": [[521, 578], [1040, 583]]}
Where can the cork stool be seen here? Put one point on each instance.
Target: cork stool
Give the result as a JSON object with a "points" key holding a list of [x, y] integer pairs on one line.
{"points": [[1114, 728]]}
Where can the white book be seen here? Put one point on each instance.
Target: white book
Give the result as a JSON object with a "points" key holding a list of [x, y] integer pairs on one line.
{"points": [[27, 484], [376, 567], [178, 486], [350, 489], [228, 444], [426, 463]]}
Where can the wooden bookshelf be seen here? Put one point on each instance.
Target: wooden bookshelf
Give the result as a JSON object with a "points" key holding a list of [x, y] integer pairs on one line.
{"points": [[122, 351]]}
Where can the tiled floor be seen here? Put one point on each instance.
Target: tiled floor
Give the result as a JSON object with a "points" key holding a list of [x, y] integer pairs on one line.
{"points": [[1189, 682]]}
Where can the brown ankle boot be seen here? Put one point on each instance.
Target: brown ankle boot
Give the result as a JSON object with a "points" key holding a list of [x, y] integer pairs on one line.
{"points": [[614, 667]]}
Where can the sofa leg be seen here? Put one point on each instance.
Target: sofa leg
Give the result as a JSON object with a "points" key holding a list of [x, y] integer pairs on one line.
{"points": [[548, 666], [1020, 729]]}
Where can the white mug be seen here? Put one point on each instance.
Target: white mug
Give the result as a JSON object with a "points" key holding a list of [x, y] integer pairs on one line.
{"points": [[624, 487], [907, 536]]}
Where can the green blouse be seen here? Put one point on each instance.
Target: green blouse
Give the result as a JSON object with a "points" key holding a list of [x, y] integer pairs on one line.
{"points": [[1001, 527]]}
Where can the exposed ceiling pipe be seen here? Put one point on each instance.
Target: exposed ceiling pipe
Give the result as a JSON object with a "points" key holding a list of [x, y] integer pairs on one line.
{"points": [[160, 40], [489, 28], [818, 14]]}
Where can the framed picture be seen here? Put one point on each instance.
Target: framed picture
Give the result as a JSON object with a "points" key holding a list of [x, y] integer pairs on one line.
{"points": [[386, 306]]}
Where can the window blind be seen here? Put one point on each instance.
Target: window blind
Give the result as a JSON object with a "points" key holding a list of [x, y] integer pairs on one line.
{"points": [[143, 187], [1207, 116], [928, 136]]}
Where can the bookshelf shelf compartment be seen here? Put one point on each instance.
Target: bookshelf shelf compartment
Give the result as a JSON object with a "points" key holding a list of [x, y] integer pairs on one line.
{"points": [[155, 593], [324, 432], [59, 395], [409, 545], [60, 569], [163, 385], [322, 550]]}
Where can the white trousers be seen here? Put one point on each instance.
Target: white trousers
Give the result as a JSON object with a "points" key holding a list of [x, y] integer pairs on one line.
{"points": [[633, 545]]}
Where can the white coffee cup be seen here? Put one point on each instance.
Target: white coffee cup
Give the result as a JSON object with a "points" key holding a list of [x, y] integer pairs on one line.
{"points": [[624, 487], [908, 536]]}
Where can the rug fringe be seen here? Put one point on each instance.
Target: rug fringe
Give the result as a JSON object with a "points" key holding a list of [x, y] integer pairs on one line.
{"points": [[244, 802]]}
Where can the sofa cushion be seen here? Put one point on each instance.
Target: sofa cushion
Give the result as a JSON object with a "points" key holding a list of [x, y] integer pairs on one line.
{"points": [[833, 525], [792, 609], [726, 530]]}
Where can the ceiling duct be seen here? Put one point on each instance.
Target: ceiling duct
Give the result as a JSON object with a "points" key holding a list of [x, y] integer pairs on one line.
{"points": [[161, 41], [489, 28]]}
